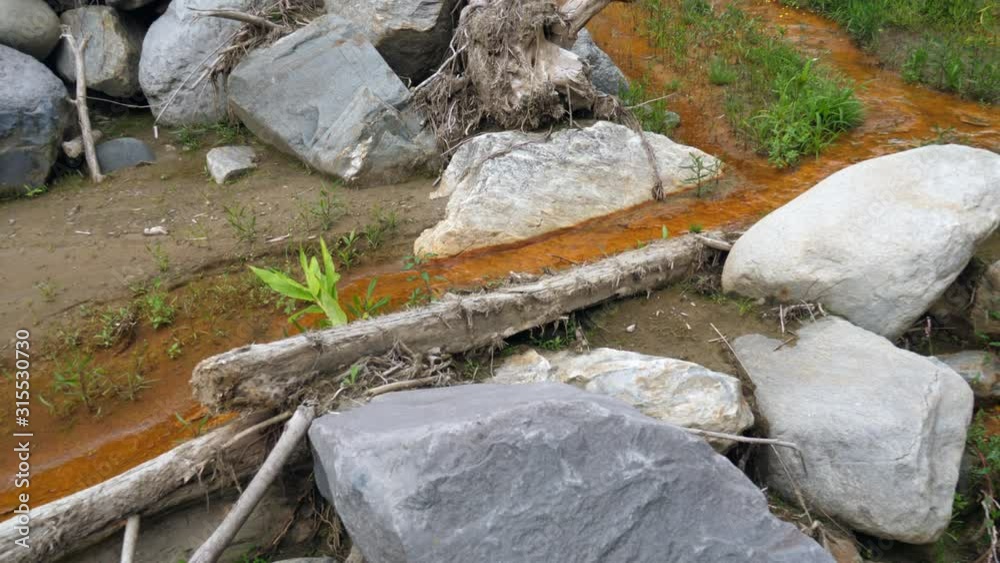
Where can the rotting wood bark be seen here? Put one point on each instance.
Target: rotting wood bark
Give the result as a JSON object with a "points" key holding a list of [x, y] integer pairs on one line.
{"points": [[265, 376], [190, 471]]}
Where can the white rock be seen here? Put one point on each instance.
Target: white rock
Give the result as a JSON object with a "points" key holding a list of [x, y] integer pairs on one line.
{"points": [[674, 391], [877, 242], [155, 231], [226, 163], [511, 186], [882, 430]]}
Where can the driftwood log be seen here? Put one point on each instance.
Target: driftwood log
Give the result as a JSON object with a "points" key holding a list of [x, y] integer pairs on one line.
{"points": [[190, 471], [265, 376]]}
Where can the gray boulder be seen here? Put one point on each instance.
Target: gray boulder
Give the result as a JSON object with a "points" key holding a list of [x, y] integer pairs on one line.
{"points": [[325, 95], [980, 369], [112, 54], [34, 111], [30, 26], [666, 389], [174, 52], [510, 186], [125, 152], [881, 429], [538, 473], [226, 163], [605, 75], [877, 242], [411, 35]]}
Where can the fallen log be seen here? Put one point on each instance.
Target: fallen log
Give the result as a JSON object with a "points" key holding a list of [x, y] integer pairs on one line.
{"points": [[185, 473], [277, 374]]}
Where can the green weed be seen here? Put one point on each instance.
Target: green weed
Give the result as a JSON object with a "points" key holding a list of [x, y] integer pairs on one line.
{"points": [[368, 306], [243, 222], [325, 211], [720, 73], [424, 293], [158, 310], [320, 289]]}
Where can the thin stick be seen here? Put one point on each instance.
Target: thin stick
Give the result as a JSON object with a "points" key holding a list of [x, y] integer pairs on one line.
{"points": [[220, 539], [744, 439], [131, 538], [238, 16], [86, 133], [714, 243], [731, 349], [258, 427], [400, 386], [647, 102]]}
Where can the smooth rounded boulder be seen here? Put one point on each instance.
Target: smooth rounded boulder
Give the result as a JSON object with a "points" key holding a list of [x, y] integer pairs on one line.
{"points": [[30, 26], [877, 242], [34, 112], [112, 54]]}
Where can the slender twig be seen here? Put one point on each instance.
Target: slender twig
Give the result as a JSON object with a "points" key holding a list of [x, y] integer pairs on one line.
{"points": [[238, 16], [86, 133], [400, 386], [744, 439], [257, 428]]}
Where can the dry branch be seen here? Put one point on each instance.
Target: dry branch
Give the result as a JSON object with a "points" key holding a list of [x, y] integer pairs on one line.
{"points": [[83, 114], [263, 376], [220, 539], [131, 539], [240, 17], [82, 519]]}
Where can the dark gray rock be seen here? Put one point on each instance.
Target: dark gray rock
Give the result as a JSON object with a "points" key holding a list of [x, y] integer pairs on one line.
{"points": [[411, 35], [538, 473], [112, 54], [123, 153], [881, 429], [325, 95], [30, 26], [174, 53], [605, 75], [34, 111], [128, 4]]}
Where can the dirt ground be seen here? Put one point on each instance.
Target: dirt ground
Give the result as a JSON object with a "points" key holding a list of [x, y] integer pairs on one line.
{"points": [[82, 243]]}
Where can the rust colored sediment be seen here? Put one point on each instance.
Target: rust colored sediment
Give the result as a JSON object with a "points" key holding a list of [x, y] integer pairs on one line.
{"points": [[897, 115]]}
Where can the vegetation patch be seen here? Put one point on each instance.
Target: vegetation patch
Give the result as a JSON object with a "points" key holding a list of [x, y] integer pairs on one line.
{"points": [[951, 45], [786, 105]]}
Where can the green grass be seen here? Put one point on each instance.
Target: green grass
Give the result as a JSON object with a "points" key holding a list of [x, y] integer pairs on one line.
{"points": [[951, 45], [785, 105], [650, 106]]}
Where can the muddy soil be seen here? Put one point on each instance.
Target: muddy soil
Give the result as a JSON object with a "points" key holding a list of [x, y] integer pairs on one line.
{"points": [[82, 243]]}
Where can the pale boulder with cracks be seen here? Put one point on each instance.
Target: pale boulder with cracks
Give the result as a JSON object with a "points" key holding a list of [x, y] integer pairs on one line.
{"points": [[510, 186], [881, 430], [666, 389]]}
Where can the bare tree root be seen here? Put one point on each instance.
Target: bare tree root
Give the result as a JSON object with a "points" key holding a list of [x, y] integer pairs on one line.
{"points": [[509, 68]]}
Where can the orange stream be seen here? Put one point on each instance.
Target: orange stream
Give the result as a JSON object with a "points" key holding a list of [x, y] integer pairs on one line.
{"points": [[896, 112]]}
